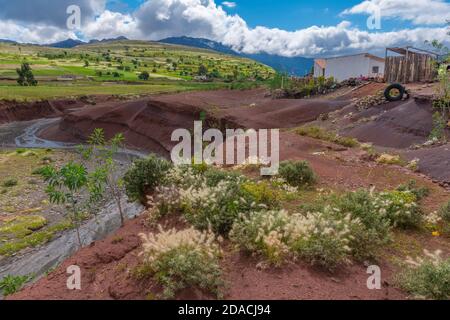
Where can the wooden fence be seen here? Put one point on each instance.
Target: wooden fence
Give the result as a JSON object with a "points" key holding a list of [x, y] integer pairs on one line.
{"points": [[412, 67]]}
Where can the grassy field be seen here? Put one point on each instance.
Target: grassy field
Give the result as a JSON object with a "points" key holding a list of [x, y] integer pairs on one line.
{"points": [[114, 68]]}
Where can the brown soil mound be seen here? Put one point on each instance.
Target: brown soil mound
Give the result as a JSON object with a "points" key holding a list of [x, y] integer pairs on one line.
{"points": [[434, 162], [10, 112], [399, 125], [148, 123]]}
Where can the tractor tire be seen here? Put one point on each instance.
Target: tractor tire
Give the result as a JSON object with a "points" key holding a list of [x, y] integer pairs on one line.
{"points": [[388, 92]]}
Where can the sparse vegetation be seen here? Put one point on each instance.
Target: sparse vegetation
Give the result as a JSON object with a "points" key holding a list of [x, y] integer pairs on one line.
{"points": [[322, 134], [11, 284], [9, 183]]}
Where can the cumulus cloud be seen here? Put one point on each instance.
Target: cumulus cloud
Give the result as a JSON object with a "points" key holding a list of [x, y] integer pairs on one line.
{"points": [[419, 12], [33, 33], [111, 25], [48, 12]]}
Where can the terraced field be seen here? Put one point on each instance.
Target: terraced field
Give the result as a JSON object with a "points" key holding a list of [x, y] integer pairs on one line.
{"points": [[114, 68]]}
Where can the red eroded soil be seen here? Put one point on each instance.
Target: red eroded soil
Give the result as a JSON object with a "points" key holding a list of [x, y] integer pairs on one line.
{"points": [[107, 267]]}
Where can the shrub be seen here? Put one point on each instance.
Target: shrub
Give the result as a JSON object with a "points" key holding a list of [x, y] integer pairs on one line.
{"points": [[144, 75], [208, 198], [216, 207], [374, 229], [427, 278], [263, 232], [297, 173], [400, 208], [9, 183], [319, 237], [411, 186], [145, 175], [389, 159], [181, 259], [444, 212], [12, 284], [262, 193]]}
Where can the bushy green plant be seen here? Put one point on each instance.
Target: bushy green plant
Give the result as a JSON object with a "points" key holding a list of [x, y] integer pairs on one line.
{"points": [[12, 284], [297, 173], [9, 183], [207, 198], [182, 259], [319, 238], [444, 212], [411, 186], [428, 277], [262, 192], [374, 230], [145, 175], [263, 232]]}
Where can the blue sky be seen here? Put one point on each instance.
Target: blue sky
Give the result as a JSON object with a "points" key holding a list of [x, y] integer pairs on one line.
{"points": [[288, 15], [284, 27]]}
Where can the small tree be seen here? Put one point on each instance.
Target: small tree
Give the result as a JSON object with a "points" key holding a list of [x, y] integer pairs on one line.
{"points": [[86, 63], [144, 75], [102, 152], [26, 77], [70, 185], [202, 70]]}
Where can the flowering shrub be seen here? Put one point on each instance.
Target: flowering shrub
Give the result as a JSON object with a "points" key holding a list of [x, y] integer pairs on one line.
{"points": [[316, 237], [181, 259], [263, 232], [209, 198], [377, 214], [262, 192], [322, 239], [297, 173], [428, 277], [144, 175], [400, 207]]}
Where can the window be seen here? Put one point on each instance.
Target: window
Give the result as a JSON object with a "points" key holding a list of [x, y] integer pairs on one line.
{"points": [[375, 69]]}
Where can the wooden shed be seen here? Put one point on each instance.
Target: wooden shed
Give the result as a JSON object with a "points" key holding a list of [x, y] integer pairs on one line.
{"points": [[409, 65]]}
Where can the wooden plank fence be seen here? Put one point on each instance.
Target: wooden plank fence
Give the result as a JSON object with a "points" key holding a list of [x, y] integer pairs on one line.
{"points": [[413, 67]]}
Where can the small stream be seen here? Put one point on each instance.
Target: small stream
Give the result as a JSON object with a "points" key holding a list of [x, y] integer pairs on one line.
{"points": [[39, 260]]}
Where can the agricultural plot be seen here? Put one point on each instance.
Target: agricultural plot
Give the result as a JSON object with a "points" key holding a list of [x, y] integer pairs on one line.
{"points": [[133, 67]]}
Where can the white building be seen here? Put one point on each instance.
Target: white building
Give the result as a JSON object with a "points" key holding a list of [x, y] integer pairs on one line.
{"points": [[353, 66]]}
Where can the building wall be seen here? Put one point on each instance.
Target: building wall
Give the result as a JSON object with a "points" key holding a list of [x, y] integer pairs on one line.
{"points": [[343, 68]]}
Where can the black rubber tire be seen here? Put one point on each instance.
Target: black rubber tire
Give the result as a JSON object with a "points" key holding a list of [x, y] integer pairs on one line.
{"points": [[401, 89]]}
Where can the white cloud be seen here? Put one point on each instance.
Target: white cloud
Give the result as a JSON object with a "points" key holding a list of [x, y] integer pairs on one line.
{"points": [[229, 4], [419, 12], [48, 12], [33, 33], [111, 25]]}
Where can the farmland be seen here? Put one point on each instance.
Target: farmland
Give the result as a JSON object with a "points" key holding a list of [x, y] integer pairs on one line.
{"points": [[115, 69]]}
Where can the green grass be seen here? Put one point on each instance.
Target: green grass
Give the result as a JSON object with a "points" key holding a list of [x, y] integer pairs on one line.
{"points": [[322, 134], [55, 91], [34, 239]]}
